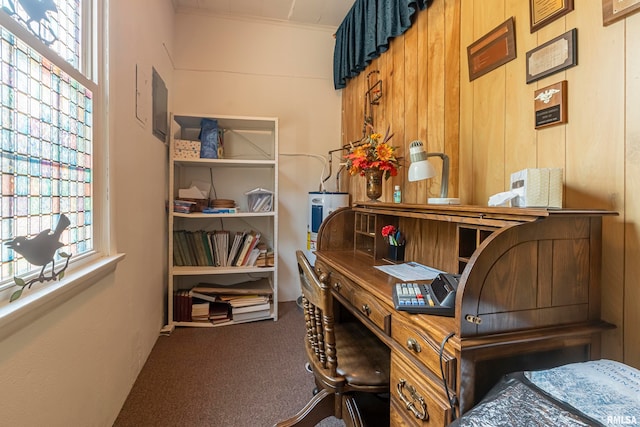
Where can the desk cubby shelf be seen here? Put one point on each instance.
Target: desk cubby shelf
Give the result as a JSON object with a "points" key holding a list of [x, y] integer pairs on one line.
{"points": [[368, 233]]}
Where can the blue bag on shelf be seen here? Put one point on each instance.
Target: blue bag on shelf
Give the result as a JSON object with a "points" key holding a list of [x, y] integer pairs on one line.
{"points": [[209, 139]]}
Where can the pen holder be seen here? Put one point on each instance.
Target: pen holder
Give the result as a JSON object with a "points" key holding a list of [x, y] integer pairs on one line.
{"points": [[396, 253]]}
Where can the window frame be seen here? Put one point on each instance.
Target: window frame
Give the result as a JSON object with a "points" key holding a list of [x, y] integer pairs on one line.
{"points": [[94, 265]]}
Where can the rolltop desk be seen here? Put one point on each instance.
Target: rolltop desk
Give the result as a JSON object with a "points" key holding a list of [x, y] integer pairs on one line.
{"points": [[528, 296]]}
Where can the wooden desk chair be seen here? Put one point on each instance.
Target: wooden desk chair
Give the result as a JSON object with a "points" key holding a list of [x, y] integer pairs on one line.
{"points": [[347, 360]]}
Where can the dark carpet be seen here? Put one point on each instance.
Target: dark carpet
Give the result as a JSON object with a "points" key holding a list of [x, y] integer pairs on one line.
{"points": [[247, 375]]}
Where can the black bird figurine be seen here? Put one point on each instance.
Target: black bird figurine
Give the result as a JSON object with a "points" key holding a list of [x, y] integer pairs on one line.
{"points": [[41, 249]]}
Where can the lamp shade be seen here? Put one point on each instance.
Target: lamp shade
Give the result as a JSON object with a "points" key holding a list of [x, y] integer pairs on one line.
{"points": [[420, 168]]}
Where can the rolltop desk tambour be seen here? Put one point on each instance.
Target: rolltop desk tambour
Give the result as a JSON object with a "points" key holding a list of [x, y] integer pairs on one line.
{"points": [[528, 296]]}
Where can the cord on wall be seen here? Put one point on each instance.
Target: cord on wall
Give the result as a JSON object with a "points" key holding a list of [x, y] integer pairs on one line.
{"points": [[313, 156]]}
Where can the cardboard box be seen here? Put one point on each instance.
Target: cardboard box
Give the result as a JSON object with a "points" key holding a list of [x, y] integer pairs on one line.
{"points": [[186, 150], [541, 188]]}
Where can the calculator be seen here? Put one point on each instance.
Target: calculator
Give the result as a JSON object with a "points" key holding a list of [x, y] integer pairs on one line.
{"points": [[437, 297]]}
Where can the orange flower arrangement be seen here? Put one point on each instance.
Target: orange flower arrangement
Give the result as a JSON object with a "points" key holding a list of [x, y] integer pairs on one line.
{"points": [[374, 152]]}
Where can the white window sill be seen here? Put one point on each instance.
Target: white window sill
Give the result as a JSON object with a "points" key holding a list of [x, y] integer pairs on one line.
{"points": [[21, 312]]}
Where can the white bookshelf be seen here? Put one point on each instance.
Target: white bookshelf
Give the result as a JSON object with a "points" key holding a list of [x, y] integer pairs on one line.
{"points": [[250, 161]]}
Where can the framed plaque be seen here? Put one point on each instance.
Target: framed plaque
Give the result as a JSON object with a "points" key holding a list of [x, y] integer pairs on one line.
{"points": [[542, 12], [550, 105], [615, 10], [494, 49], [555, 55]]}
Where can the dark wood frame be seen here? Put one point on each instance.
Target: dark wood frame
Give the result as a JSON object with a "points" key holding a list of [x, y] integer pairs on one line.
{"points": [[550, 16], [608, 16], [492, 50], [571, 38]]}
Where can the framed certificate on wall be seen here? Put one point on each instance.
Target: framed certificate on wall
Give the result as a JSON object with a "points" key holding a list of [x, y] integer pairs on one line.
{"points": [[542, 12]]}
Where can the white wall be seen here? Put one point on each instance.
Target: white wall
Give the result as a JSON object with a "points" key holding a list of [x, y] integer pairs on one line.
{"points": [[260, 68], [76, 364]]}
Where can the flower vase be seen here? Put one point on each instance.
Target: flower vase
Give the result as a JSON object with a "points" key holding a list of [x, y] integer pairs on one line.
{"points": [[374, 183], [396, 252]]}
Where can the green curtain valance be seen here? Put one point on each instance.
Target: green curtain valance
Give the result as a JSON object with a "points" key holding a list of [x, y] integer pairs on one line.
{"points": [[365, 33]]}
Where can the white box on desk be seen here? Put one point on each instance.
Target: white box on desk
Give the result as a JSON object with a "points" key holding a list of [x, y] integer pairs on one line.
{"points": [[540, 188]]}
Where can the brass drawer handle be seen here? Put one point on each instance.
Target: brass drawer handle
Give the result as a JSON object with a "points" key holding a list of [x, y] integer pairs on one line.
{"points": [[366, 310], [413, 345], [337, 286], [417, 405]]}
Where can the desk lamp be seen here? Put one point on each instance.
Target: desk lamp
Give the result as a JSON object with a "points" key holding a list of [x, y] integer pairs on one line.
{"points": [[421, 168]]}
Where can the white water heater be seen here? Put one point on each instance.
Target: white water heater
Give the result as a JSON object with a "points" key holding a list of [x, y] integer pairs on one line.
{"points": [[321, 204]]}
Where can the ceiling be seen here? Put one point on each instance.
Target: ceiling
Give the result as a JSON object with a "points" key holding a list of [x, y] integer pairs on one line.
{"points": [[305, 12]]}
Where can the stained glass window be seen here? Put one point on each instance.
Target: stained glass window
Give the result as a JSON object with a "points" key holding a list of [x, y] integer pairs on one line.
{"points": [[46, 133], [55, 22]]}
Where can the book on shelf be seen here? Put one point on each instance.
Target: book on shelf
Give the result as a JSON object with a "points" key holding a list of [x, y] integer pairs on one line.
{"points": [[219, 312], [266, 259], [182, 306], [178, 256], [248, 308], [199, 245], [218, 248], [180, 245], [221, 245], [256, 252], [260, 287], [234, 301], [219, 210], [193, 250], [208, 249], [199, 310], [235, 246], [206, 297], [190, 308], [250, 241], [251, 315], [244, 300]]}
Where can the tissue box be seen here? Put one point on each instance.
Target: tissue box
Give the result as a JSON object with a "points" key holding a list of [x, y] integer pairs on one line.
{"points": [[540, 188], [185, 150]]}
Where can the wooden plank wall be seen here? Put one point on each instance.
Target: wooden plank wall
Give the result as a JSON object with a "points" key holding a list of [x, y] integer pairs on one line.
{"points": [[420, 76], [487, 127]]}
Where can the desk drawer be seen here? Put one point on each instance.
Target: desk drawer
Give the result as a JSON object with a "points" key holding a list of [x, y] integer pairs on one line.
{"points": [[360, 301], [416, 400], [419, 343]]}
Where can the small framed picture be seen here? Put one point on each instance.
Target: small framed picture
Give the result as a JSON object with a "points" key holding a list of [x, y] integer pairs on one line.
{"points": [[542, 12], [550, 105], [553, 56], [615, 10], [492, 50]]}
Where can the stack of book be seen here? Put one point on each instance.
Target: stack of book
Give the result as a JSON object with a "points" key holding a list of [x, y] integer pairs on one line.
{"points": [[188, 308], [247, 301], [182, 306], [265, 259], [248, 307], [218, 248]]}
